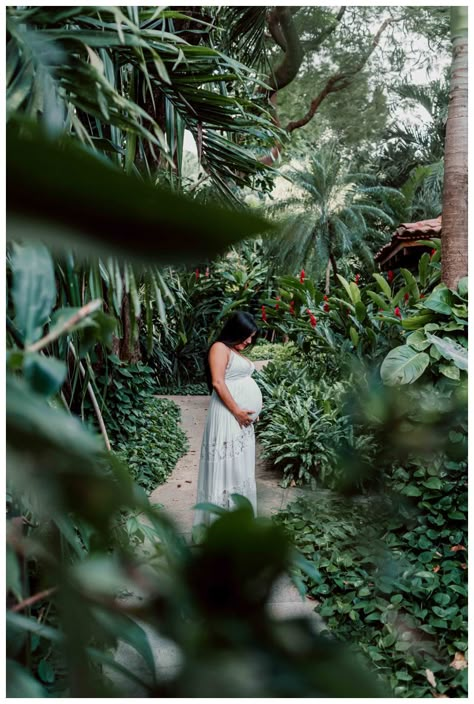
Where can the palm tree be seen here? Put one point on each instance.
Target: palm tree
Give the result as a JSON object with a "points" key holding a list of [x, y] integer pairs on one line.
{"points": [[331, 213], [454, 240]]}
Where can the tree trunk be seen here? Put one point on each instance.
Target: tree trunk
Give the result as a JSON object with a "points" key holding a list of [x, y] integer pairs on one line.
{"points": [[454, 242], [129, 345]]}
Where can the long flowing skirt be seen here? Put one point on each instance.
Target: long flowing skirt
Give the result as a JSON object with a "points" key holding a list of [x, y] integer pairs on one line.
{"points": [[227, 461]]}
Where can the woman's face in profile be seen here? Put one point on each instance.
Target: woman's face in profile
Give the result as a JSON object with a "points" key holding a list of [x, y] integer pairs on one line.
{"points": [[242, 345]]}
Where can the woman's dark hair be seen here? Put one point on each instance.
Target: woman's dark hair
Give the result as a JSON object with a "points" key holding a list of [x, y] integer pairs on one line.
{"points": [[236, 329]]}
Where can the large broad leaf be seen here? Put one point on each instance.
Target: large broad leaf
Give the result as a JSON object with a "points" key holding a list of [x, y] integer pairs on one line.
{"points": [[403, 365], [440, 300], [33, 290], [45, 375], [384, 286], [463, 286], [450, 350], [69, 197], [418, 341]]}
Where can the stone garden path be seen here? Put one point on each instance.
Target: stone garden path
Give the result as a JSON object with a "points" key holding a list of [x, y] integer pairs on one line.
{"points": [[178, 496]]}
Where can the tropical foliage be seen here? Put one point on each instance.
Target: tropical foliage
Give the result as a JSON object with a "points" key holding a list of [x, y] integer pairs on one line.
{"points": [[117, 282]]}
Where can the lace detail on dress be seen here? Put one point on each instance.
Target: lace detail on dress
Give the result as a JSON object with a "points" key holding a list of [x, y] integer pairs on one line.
{"points": [[245, 488], [229, 448]]}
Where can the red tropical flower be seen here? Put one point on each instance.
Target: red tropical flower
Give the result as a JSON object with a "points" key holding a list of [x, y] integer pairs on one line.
{"points": [[398, 312], [302, 275], [264, 314], [292, 307], [390, 276], [406, 297], [357, 277], [325, 298], [277, 305], [326, 308], [197, 274], [312, 318], [433, 252], [422, 295]]}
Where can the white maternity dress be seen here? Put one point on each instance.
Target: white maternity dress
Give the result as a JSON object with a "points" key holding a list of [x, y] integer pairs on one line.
{"points": [[227, 461]]}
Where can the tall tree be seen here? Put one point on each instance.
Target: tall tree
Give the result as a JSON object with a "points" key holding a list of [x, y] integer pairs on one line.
{"points": [[454, 240]]}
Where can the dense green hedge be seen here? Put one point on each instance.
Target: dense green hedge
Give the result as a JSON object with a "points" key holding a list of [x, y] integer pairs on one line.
{"points": [[394, 575], [144, 430]]}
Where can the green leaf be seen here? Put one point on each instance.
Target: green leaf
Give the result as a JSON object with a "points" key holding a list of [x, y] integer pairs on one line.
{"points": [[384, 286], [451, 371], [418, 341], [403, 365], [33, 289], [242, 502], [417, 321], [354, 336], [451, 350], [84, 202], [306, 566], [378, 300], [361, 311], [20, 683], [212, 508], [433, 483], [45, 671], [410, 282], [355, 293], [45, 375], [412, 490], [347, 287], [440, 301], [423, 268], [463, 286]]}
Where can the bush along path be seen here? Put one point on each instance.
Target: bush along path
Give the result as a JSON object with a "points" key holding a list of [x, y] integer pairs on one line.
{"points": [[394, 582], [178, 496]]}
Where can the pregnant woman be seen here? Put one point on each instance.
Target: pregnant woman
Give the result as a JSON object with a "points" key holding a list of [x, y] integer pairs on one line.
{"points": [[227, 462]]}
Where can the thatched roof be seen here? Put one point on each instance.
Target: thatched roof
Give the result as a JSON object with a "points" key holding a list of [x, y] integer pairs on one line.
{"points": [[408, 235]]}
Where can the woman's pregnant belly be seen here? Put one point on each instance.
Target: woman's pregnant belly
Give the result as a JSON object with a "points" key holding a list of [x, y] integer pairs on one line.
{"points": [[247, 394]]}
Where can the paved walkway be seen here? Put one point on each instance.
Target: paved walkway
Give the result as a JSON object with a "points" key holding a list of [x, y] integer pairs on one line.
{"points": [[178, 496]]}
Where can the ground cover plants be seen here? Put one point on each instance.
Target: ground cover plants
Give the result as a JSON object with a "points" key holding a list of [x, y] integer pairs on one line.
{"points": [[394, 575], [143, 429]]}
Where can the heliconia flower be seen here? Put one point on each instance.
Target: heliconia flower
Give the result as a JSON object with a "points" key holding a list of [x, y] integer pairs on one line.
{"points": [[406, 297], [277, 305], [197, 274], [207, 271], [302, 275], [292, 307], [326, 308], [398, 312], [357, 277], [264, 314], [325, 298], [433, 252], [312, 318], [390, 275]]}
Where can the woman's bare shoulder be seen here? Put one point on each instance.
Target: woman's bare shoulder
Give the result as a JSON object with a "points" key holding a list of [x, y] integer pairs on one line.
{"points": [[219, 348]]}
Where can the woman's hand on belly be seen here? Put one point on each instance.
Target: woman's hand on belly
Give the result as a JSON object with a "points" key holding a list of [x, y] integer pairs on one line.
{"points": [[243, 417]]}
